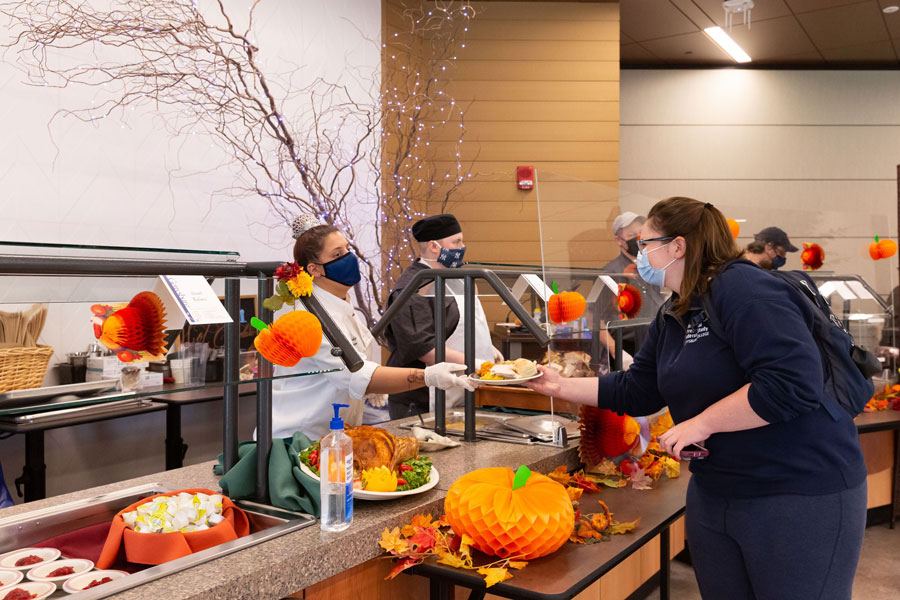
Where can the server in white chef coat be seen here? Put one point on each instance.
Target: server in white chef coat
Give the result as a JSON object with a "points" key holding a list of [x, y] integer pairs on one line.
{"points": [[304, 403], [441, 246]]}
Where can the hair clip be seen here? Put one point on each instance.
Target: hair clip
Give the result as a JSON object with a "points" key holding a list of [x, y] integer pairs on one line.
{"points": [[303, 223]]}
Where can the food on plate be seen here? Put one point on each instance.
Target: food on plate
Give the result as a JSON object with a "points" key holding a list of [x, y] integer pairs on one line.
{"points": [[574, 363], [523, 514], [97, 582], [511, 369], [183, 512], [62, 571], [379, 479], [19, 594], [378, 458], [31, 559]]}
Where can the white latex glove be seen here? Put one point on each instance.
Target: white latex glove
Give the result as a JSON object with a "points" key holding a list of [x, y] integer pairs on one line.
{"points": [[376, 400], [446, 376], [498, 356]]}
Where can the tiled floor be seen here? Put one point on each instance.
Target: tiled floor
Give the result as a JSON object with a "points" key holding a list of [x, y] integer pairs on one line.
{"points": [[877, 577]]}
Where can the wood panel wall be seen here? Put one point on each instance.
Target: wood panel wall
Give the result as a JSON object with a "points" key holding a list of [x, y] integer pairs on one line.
{"points": [[539, 82]]}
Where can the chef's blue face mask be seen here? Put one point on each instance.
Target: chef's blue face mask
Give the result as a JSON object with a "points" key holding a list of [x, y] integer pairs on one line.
{"points": [[343, 270], [649, 273], [451, 257]]}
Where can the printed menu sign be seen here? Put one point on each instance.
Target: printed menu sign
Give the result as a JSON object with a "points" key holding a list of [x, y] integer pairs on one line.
{"points": [[194, 298]]}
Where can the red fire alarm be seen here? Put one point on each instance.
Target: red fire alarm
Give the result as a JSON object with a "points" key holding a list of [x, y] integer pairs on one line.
{"points": [[525, 178]]}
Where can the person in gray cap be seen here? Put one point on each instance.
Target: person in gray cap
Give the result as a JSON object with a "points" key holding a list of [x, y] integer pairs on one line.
{"points": [[769, 248], [626, 228]]}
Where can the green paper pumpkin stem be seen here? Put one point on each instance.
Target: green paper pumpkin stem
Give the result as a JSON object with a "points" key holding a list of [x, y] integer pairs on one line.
{"points": [[521, 477], [259, 325], [876, 239], [555, 288]]}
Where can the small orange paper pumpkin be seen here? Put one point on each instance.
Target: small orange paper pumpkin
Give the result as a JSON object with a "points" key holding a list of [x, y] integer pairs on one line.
{"points": [[293, 336], [885, 248], [605, 434], [735, 227], [565, 306], [628, 301], [812, 257], [140, 326], [523, 515]]}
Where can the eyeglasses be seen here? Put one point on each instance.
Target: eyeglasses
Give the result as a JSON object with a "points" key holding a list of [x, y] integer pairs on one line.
{"points": [[643, 243]]}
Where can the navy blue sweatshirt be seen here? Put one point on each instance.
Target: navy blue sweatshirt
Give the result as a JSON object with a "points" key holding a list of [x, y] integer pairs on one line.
{"points": [[684, 365]]}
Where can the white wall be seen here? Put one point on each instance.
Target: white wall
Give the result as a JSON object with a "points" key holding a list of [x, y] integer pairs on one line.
{"points": [[813, 152], [128, 182]]}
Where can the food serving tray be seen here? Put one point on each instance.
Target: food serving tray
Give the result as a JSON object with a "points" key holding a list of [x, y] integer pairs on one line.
{"points": [[15, 398], [543, 426], [119, 401]]}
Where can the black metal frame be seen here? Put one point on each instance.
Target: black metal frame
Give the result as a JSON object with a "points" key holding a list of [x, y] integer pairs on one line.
{"points": [[12, 264], [439, 276]]}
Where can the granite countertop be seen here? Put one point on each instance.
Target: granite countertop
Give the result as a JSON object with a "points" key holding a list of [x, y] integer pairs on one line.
{"points": [[297, 560]]}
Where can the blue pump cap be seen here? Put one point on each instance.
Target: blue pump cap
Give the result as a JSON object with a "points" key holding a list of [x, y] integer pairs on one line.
{"points": [[337, 422]]}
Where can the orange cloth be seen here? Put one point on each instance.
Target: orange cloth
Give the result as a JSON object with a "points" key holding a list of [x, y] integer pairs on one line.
{"points": [[157, 548]]}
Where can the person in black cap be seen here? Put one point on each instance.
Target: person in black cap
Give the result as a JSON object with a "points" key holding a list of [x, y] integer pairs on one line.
{"points": [[411, 336], [769, 248]]}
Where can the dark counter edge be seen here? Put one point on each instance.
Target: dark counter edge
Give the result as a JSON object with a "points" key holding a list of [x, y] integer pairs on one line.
{"points": [[298, 560]]}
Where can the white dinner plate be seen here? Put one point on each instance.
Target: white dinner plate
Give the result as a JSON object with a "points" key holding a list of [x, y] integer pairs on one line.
{"points": [[78, 583], [10, 576], [365, 495], [42, 572], [475, 377], [8, 560], [38, 589]]}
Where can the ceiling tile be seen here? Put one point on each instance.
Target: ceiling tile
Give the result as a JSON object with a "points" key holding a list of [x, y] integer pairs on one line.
{"points": [[624, 39], [891, 20], [863, 53], [648, 19], [691, 48], [694, 13], [845, 26], [764, 9], [634, 53], [773, 38], [806, 59], [800, 6]]}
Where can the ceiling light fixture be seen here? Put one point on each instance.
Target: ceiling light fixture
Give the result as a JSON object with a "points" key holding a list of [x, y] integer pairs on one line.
{"points": [[727, 44], [742, 7], [890, 9]]}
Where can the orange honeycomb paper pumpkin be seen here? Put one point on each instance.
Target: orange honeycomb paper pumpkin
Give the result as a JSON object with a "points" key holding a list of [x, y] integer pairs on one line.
{"points": [[735, 227], [605, 434], [523, 515], [140, 326], [565, 306], [628, 301], [812, 257], [882, 248], [293, 336]]}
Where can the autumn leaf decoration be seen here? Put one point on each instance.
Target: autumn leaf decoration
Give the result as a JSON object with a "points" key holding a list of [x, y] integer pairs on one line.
{"points": [[424, 537]]}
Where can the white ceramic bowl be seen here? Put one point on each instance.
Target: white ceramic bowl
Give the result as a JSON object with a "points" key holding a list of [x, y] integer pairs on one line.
{"points": [[8, 560], [8, 577], [42, 573], [79, 582], [39, 589]]}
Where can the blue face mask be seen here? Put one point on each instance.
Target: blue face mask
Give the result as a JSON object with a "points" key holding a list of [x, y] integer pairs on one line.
{"points": [[451, 258], [649, 273], [343, 270], [778, 262]]}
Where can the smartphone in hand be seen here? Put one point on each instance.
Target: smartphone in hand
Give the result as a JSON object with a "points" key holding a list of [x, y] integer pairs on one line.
{"points": [[694, 452]]}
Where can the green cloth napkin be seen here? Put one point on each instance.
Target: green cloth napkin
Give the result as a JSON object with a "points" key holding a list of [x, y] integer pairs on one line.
{"points": [[289, 487]]}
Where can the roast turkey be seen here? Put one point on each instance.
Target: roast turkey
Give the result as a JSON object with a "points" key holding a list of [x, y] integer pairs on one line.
{"points": [[376, 447]]}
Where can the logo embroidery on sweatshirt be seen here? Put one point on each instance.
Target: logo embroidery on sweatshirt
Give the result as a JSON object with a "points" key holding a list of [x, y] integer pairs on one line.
{"points": [[696, 330]]}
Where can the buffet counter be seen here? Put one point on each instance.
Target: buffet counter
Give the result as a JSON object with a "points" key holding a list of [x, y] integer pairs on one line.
{"points": [[299, 560]]}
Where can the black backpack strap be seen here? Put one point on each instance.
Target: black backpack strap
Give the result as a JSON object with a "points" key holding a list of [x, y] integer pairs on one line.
{"points": [[712, 320]]}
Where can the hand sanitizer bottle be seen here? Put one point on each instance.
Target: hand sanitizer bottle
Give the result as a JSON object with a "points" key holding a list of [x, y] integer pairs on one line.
{"points": [[336, 475]]}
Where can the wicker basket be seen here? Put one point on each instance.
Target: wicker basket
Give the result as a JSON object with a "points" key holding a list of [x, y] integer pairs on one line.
{"points": [[23, 368]]}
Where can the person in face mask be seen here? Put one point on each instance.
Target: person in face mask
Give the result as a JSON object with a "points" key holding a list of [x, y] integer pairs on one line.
{"points": [[304, 403], [410, 335], [784, 474], [769, 248]]}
